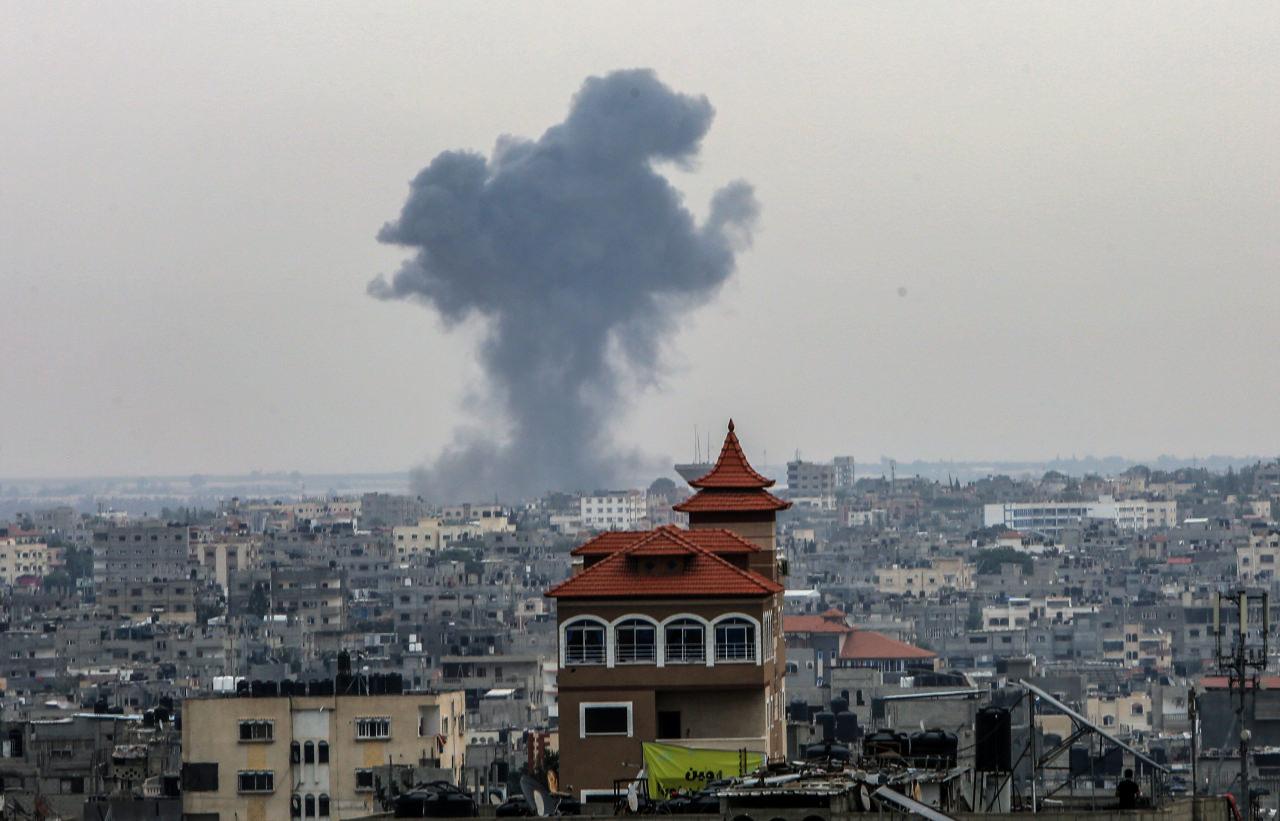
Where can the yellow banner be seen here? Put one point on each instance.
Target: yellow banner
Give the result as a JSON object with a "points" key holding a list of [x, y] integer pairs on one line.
{"points": [[672, 768]]}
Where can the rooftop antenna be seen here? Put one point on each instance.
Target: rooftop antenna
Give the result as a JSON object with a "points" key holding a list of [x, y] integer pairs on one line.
{"points": [[1242, 660], [697, 446]]}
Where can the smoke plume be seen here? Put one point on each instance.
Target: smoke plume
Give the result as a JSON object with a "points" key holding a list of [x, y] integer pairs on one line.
{"points": [[580, 257]]}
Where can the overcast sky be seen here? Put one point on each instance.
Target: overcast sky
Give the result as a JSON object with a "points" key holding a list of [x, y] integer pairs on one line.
{"points": [[987, 231]]}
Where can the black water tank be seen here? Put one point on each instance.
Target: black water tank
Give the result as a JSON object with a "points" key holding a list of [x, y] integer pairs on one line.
{"points": [[377, 685], [827, 726], [824, 752], [1110, 763], [934, 748], [270, 689], [839, 705], [846, 727], [886, 742], [993, 742], [395, 684], [242, 687]]}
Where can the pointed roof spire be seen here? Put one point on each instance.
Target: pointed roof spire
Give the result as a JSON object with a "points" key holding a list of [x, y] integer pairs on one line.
{"points": [[732, 470]]}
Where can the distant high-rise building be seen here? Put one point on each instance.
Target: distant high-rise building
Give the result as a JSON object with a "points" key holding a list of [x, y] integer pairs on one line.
{"points": [[845, 468]]}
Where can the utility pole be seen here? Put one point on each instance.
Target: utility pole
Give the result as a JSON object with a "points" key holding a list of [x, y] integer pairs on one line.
{"points": [[1193, 713], [1242, 660]]}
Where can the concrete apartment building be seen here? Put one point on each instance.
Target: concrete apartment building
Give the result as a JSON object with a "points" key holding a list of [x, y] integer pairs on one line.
{"points": [[169, 600], [674, 634], [1020, 612], [812, 485], [147, 551], [22, 557], [1256, 561], [926, 580], [613, 510], [1050, 518], [266, 758]]}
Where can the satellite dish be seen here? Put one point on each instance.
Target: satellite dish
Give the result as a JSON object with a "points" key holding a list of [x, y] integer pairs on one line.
{"points": [[633, 798], [864, 798], [495, 798], [534, 795]]}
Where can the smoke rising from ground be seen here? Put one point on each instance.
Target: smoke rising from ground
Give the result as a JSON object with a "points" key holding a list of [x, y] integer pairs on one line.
{"points": [[580, 257]]}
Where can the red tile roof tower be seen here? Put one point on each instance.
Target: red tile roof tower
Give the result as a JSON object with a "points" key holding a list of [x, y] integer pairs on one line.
{"points": [[732, 496]]}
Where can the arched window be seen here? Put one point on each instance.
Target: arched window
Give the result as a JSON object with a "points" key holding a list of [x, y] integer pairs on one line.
{"points": [[324, 805], [635, 642], [686, 642], [309, 753], [311, 806], [735, 640], [295, 806], [295, 752], [584, 643], [323, 750]]}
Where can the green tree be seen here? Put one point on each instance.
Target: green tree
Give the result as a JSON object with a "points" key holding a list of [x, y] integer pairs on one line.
{"points": [[259, 604], [989, 561]]}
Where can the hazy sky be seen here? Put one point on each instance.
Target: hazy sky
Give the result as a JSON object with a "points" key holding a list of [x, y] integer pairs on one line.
{"points": [[987, 231]]}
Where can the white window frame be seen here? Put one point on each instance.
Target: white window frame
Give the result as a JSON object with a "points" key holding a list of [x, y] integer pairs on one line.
{"points": [[706, 631], [755, 645], [356, 781], [267, 739], [595, 621], [644, 620], [582, 719], [367, 737]]}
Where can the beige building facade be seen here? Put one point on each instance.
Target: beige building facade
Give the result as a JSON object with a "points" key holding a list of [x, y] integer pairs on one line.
{"points": [[20, 558], [938, 575], [259, 759]]}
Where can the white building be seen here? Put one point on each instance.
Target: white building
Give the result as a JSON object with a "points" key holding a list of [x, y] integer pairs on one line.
{"points": [[1020, 612], [1052, 517], [614, 510]]}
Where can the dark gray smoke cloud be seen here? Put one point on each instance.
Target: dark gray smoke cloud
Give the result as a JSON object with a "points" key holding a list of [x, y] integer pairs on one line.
{"points": [[575, 250]]}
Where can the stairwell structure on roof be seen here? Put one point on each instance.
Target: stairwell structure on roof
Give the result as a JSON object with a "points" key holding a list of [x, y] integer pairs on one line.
{"points": [[733, 496]]}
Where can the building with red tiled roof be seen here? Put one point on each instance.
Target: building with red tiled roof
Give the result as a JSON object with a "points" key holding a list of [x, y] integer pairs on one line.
{"points": [[674, 635], [866, 648], [733, 491]]}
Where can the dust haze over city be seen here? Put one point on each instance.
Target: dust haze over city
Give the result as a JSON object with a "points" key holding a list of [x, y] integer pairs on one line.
{"points": [[765, 412]]}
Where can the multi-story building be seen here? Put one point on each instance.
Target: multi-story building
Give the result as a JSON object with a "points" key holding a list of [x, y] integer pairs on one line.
{"points": [[1256, 561], [811, 485], [1051, 517], [169, 600], [390, 509], [1020, 612], [845, 472], [613, 510], [22, 557], [674, 635], [1122, 713], [311, 756], [431, 534], [927, 580], [149, 551]]}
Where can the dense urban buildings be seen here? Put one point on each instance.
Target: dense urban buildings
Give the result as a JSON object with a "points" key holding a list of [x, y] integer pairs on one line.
{"points": [[568, 637]]}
